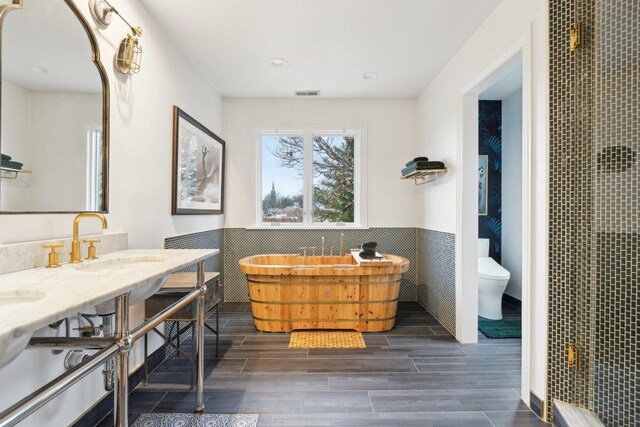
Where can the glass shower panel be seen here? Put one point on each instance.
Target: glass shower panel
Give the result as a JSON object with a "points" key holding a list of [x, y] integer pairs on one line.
{"points": [[580, 158], [615, 326], [594, 208]]}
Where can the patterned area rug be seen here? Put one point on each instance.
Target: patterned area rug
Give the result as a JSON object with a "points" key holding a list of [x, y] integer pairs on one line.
{"points": [[196, 420], [326, 339], [504, 328]]}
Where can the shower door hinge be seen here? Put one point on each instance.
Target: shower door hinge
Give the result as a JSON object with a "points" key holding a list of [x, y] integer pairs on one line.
{"points": [[543, 411], [573, 356], [576, 37]]}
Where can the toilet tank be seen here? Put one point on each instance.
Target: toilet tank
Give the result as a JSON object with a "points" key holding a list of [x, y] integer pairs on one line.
{"points": [[483, 247]]}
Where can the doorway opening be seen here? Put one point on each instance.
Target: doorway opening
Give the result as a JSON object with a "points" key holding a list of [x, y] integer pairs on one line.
{"points": [[496, 206], [500, 206]]}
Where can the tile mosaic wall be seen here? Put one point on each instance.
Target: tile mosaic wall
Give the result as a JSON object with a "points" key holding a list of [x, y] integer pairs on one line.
{"points": [[430, 279], [490, 145], [594, 260], [437, 275], [210, 239], [241, 242], [569, 188]]}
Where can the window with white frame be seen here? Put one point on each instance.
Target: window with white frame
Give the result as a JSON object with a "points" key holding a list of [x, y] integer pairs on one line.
{"points": [[94, 176], [309, 178]]}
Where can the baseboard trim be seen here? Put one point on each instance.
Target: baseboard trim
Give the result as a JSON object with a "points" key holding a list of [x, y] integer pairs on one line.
{"points": [[104, 406], [536, 405], [511, 300]]}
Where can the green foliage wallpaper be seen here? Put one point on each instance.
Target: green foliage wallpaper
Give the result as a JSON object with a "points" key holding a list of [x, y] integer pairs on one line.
{"points": [[490, 145]]}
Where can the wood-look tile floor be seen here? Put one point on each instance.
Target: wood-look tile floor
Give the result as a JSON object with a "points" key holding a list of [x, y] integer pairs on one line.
{"points": [[414, 375]]}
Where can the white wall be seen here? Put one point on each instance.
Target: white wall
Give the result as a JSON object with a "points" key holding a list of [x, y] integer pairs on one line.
{"points": [[512, 191], [439, 121], [139, 185], [141, 139], [58, 142], [15, 129], [390, 137], [46, 131]]}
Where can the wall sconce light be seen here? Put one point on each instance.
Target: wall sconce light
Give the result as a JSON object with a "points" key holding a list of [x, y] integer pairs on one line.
{"points": [[129, 55]]}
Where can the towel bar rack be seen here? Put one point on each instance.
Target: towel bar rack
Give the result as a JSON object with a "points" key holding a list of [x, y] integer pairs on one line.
{"points": [[424, 176], [10, 173]]}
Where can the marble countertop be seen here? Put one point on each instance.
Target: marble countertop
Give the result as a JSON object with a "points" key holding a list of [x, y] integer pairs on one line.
{"points": [[51, 294]]}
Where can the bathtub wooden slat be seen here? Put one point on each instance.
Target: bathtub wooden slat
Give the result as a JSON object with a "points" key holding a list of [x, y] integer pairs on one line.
{"points": [[290, 292]]}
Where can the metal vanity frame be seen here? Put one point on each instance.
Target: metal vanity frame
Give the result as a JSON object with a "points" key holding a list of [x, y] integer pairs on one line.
{"points": [[117, 347]]}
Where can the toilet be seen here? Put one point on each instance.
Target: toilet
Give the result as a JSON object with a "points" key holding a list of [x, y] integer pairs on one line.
{"points": [[492, 281]]}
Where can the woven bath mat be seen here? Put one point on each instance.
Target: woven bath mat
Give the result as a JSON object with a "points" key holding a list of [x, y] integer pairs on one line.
{"points": [[326, 339], [196, 420]]}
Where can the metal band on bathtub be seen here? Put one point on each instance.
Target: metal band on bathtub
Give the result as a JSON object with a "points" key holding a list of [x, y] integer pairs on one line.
{"points": [[326, 302], [323, 321], [323, 283]]}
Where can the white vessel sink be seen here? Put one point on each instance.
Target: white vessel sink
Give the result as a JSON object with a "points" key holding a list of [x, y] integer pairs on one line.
{"points": [[125, 261], [138, 294], [19, 296]]}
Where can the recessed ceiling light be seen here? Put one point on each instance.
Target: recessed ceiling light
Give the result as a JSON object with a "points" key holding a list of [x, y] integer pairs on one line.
{"points": [[371, 75], [38, 69], [278, 62], [307, 93]]}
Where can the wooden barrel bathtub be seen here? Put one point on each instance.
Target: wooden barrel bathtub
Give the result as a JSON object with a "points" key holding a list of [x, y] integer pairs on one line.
{"points": [[290, 292]]}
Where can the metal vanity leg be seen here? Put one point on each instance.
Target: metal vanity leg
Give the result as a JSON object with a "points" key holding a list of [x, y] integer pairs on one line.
{"points": [[146, 367], [193, 353], [217, 328], [200, 314], [121, 398]]}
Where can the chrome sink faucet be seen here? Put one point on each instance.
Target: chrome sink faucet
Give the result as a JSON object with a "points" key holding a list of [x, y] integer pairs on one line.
{"points": [[75, 243]]}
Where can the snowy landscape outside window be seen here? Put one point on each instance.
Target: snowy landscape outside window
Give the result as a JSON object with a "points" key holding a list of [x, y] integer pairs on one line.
{"points": [[308, 178]]}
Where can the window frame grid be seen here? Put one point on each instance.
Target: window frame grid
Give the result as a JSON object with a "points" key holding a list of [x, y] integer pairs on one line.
{"points": [[308, 133], [94, 163]]}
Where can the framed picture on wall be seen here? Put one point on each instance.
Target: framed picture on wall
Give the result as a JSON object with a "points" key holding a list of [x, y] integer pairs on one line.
{"points": [[483, 187], [198, 168]]}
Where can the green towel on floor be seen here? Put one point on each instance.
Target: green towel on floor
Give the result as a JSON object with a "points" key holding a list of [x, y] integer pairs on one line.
{"points": [[505, 328]]}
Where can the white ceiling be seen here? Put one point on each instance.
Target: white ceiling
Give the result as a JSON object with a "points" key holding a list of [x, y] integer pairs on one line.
{"points": [[47, 35], [329, 44], [506, 86]]}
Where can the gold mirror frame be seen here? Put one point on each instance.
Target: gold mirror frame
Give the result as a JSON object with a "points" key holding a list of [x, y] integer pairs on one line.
{"points": [[95, 57]]}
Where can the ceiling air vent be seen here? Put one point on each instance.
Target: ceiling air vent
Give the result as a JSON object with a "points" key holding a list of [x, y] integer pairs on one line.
{"points": [[307, 93]]}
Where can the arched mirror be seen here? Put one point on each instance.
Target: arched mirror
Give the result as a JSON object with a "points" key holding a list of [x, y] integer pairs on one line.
{"points": [[54, 121]]}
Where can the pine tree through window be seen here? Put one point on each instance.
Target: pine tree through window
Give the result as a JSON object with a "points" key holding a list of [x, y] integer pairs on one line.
{"points": [[314, 170]]}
